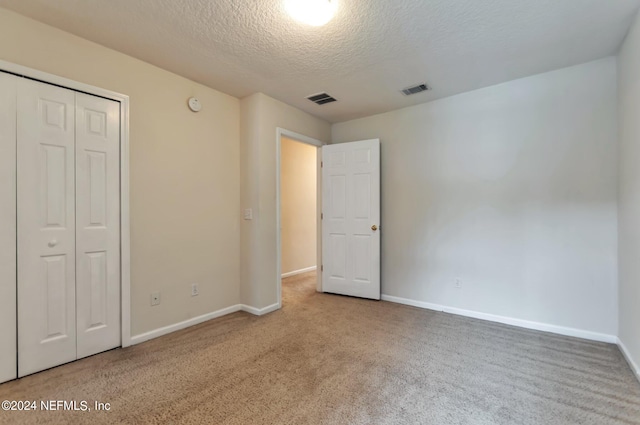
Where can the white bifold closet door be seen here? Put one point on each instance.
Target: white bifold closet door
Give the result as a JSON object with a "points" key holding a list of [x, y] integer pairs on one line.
{"points": [[97, 224], [46, 227], [68, 225]]}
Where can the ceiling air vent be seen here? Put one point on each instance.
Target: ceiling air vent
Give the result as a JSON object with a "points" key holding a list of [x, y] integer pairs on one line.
{"points": [[321, 98], [415, 89]]}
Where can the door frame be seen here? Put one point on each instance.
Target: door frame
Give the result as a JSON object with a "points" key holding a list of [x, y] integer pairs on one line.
{"points": [[125, 234], [282, 132]]}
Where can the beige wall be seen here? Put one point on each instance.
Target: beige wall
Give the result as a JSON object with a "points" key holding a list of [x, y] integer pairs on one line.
{"points": [[184, 171], [512, 190], [261, 116], [298, 181], [629, 193]]}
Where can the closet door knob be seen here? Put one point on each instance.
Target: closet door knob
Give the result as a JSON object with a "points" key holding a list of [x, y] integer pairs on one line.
{"points": [[53, 243]]}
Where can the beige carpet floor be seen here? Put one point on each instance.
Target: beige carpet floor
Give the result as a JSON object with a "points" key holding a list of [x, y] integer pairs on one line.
{"points": [[327, 359]]}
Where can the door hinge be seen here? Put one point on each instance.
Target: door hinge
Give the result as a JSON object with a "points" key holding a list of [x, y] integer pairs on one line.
{"points": [[321, 216], [321, 164], [321, 268]]}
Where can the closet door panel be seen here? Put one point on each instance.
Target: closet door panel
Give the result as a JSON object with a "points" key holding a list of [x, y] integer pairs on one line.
{"points": [[8, 356], [97, 224], [46, 226]]}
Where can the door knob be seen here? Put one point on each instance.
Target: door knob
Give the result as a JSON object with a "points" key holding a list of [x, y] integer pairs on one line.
{"points": [[53, 242], [374, 227]]}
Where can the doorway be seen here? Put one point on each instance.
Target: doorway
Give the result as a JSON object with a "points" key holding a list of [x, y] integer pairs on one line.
{"points": [[299, 208]]}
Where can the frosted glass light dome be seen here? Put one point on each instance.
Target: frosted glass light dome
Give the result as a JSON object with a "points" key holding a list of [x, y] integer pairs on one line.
{"points": [[311, 12]]}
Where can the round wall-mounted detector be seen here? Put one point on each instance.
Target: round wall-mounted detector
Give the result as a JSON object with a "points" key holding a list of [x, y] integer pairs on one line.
{"points": [[194, 104]]}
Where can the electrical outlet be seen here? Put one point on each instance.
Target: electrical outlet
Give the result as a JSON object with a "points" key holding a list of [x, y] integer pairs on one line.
{"points": [[155, 298], [458, 283], [194, 289]]}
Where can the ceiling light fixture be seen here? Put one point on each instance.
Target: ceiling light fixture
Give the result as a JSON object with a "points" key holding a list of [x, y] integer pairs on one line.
{"points": [[312, 12]]}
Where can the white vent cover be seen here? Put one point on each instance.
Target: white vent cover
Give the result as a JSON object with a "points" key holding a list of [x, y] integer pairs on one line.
{"points": [[415, 89]]}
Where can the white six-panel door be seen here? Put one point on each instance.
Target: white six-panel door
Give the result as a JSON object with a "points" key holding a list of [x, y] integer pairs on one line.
{"points": [[8, 348], [46, 226], [351, 218], [97, 224]]}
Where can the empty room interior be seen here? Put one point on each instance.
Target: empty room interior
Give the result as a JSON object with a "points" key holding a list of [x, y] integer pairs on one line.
{"points": [[320, 212]]}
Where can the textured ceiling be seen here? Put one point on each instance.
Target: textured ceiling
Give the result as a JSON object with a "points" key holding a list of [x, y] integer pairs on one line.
{"points": [[363, 57]]}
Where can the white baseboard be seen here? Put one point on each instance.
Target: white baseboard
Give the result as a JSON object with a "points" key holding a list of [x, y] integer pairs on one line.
{"points": [[295, 272], [545, 327], [627, 356], [259, 311], [137, 339]]}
